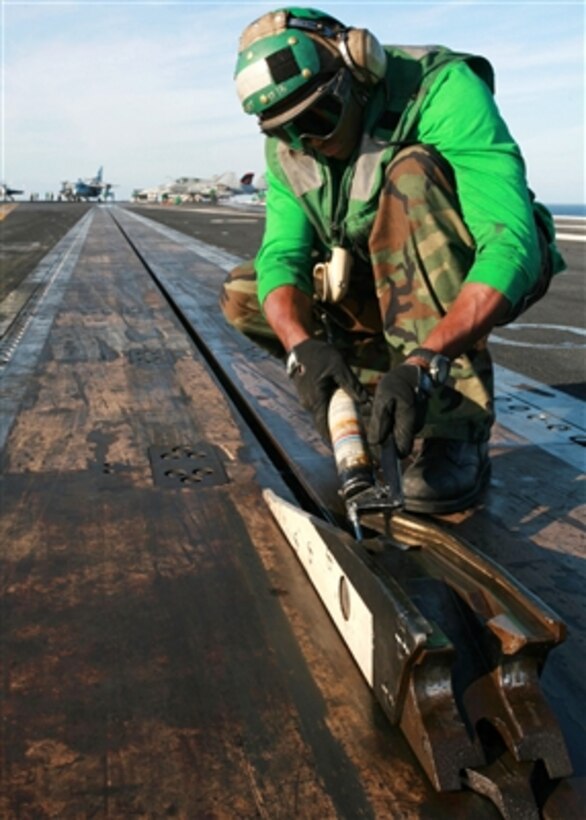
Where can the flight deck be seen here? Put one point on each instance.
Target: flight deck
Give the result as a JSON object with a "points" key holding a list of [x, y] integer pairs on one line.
{"points": [[163, 650]]}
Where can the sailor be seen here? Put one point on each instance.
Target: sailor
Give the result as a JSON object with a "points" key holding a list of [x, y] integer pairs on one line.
{"points": [[400, 230]]}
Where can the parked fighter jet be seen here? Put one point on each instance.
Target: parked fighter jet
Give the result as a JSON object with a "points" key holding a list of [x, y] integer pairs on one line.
{"points": [[91, 188], [249, 192], [196, 189], [7, 194]]}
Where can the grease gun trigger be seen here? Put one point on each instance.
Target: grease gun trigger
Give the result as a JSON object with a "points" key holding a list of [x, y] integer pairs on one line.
{"points": [[361, 490]]}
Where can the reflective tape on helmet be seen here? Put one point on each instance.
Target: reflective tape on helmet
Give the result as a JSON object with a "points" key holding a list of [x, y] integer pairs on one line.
{"points": [[252, 80]]}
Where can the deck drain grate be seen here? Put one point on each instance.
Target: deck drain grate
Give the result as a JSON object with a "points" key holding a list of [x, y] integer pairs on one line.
{"points": [[146, 356], [196, 466]]}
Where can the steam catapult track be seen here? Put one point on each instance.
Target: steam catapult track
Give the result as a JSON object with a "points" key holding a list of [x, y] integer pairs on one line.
{"points": [[173, 538]]}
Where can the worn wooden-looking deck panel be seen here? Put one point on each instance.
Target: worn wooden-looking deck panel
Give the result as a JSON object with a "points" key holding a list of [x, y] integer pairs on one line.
{"points": [[162, 653]]}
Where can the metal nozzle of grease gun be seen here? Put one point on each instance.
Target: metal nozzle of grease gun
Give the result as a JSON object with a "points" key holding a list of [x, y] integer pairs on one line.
{"points": [[360, 489]]}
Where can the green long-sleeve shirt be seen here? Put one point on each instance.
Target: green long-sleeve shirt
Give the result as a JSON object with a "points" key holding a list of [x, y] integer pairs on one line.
{"points": [[458, 117]]}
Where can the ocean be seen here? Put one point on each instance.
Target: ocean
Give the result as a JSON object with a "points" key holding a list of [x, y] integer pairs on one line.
{"points": [[567, 210]]}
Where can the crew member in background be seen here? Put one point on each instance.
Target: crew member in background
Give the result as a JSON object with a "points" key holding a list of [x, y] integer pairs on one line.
{"points": [[393, 170]]}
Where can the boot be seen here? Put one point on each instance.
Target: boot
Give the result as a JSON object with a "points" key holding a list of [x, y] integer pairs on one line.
{"points": [[447, 476]]}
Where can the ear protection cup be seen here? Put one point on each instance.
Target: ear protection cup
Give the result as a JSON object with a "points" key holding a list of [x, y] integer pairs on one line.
{"points": [[359, 49], [363, 54]]}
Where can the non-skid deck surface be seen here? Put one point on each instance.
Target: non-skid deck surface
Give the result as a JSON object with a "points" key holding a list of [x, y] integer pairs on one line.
{"points": [[162, 653]]}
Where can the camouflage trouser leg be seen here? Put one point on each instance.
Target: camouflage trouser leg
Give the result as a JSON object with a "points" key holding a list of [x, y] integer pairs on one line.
{"points": [[421, 251], [240, 305], [239, 302]]}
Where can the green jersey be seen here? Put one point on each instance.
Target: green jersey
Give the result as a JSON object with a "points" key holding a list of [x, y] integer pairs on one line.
{"points": [[457, 115]]}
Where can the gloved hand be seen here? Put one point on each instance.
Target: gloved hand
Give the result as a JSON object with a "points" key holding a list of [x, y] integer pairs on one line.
{"points": [[398, 409], [318, 369]]}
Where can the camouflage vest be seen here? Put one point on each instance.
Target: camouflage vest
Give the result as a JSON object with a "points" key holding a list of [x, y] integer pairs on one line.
{"points": [[342, 210]]}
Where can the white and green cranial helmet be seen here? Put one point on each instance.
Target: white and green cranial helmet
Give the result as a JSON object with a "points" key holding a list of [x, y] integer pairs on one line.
{"points": [[286, 55]]}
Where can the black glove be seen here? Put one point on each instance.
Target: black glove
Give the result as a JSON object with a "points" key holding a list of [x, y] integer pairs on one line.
{"points": [[317, 370], [399, 408]]}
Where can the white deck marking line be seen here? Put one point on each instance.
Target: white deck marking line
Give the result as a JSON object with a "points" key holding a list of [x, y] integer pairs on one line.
{"points": [[242, 220], [571, 237], [497, 339], [224, 260], [56, 268]]}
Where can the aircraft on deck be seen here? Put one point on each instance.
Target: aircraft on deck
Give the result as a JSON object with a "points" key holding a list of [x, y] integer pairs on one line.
{"points": [[249, 193], [198, 189], [7, 193], [89, 188]]}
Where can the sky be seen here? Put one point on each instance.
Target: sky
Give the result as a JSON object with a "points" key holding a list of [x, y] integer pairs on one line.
{"points": [[146, 88]]}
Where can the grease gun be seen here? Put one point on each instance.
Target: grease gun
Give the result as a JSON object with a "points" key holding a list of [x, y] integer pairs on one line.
{"points": [[360, 488]]}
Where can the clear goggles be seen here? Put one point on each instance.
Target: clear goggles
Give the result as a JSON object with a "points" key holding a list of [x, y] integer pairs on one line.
{"points": [[316, 118]]}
